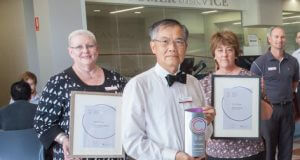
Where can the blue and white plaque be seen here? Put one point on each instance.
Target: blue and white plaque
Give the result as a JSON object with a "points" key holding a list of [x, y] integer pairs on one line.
{"points": [[195, 126]]}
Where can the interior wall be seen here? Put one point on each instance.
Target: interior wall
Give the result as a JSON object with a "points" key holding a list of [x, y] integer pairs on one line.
{"points": [[216, 22], [120, 43], [30, 42], [58, 18], [13, 49], [291, 5]]}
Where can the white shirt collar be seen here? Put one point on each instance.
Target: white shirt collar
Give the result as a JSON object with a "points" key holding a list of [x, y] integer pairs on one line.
{"points": [[161, 72]]}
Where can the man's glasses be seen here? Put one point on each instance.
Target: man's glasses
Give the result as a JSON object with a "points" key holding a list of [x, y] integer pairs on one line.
{"points": [[166, 42], [81, 47]]}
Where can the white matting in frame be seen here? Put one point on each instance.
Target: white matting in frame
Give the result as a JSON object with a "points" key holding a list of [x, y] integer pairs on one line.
{"points": [[95, 127], [237, 103]]}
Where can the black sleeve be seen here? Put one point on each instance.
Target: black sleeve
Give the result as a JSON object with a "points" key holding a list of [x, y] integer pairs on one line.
{"points": [[48, 113]]}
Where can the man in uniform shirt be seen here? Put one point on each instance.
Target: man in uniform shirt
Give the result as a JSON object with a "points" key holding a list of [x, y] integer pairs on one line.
{"points": [[153, 104], [280, 73]]}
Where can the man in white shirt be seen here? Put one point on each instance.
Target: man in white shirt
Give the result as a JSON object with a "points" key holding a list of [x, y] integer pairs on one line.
{"points": [[153, 105]]}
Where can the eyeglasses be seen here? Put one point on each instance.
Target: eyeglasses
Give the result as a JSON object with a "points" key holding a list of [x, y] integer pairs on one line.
{"points": [[81, 47], [227, 50], [166, 42]]}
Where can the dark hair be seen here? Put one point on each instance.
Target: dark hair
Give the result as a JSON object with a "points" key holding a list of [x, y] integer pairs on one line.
{"points": [[153, 29], [29, 75], [20, 91]]}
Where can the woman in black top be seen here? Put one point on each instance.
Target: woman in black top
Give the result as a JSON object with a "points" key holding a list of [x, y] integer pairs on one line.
{"points": [[52, 117]]}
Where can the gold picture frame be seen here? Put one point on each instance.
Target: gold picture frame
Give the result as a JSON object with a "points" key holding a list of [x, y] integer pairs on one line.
{"points": [[95, 125]]}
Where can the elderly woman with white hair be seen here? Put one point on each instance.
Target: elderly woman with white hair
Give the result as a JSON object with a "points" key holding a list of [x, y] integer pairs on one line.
{"points": [[52, 117]]}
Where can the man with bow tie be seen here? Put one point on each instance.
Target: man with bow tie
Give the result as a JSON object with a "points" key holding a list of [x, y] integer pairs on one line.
{"points": [[154, 101]]}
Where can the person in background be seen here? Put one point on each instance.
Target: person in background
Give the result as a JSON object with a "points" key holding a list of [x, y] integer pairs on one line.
{"points": [[18, 115], [52, 117], [280, 73], [296, 54], [154, 101], [225, 49], [31, 79]]}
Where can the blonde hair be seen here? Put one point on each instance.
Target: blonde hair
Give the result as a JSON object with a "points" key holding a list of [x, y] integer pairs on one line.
{"points": [[81, 32], [29, 75]]}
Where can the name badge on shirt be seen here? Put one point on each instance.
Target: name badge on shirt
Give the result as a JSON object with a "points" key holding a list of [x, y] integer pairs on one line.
{"points": [[185, 100], [272, 68], [112, 88]]}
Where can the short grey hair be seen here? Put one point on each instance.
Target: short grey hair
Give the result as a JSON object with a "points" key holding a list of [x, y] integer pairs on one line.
{"points": [[270, 30], [154, 28], [81, 32]]}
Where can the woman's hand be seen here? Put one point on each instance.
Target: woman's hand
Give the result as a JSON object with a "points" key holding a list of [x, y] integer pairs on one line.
{"points": [[184, 156], [266, 110], [66, 149], [209, 113]]}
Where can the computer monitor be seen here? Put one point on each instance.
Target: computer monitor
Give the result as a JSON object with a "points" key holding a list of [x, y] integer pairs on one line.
{"points": [[246, 61]]}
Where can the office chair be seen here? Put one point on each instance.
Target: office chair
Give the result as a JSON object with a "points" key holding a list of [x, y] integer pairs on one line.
{"points": [[20, 144]]}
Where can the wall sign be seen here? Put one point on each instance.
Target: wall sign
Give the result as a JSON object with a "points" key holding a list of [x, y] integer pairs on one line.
{"points": [[36, 24], [209, 4]]}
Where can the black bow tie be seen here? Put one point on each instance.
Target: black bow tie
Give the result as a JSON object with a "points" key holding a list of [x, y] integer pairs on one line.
{"points": [[179, 77]]}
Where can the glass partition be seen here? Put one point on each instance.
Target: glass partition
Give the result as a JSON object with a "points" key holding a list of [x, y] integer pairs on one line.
{"points": [[291, 25], [124, 41]]}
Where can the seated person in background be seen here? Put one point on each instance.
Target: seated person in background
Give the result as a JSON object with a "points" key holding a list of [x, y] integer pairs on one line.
{"points": [[19, 114], [31, 79]]}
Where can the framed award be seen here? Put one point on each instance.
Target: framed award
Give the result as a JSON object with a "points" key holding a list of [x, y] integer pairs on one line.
{"points": [[237, 103], [95, 126]]}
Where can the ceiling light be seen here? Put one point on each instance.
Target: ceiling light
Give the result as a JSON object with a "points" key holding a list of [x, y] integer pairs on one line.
{"points": [[291, 23], [208, 12], [295, 22], [96, 10], [236, 23], [137, 12], [286, 13], [125, 10], [291, 17]]}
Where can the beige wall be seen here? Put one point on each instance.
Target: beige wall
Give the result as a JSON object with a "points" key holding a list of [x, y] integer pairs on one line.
{"points": [[217, 22], [13, 59], [43, 52]]}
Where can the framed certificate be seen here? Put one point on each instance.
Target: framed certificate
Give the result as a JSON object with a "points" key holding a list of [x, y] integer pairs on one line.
{"points": [[237, 103], [95, 125]]}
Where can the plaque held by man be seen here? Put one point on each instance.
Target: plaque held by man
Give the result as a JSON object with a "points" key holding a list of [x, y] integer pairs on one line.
{"points": [[195, 126]]}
